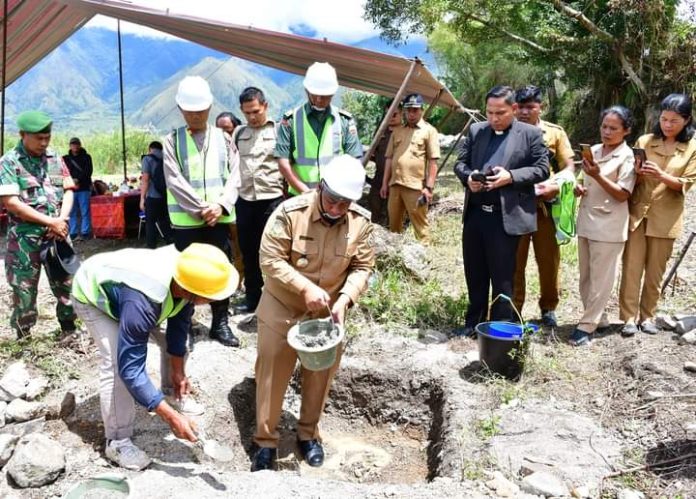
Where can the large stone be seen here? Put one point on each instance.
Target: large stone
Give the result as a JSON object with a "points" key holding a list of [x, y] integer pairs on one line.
{"points": [[544, 484], [685, 324], [20, 410], [36, 387], [665, 322], [552, 437], [502, 486], [688, 338], [13, 383], [7, 446], [411, 256], [37, 460]]}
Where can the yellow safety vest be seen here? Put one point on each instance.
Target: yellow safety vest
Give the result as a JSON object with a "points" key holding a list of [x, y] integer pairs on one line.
{"points": [[206, 171], [147, 271], [312, 152]]}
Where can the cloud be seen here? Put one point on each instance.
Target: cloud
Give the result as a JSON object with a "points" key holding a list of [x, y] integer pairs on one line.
{"points": [[339, 21]]}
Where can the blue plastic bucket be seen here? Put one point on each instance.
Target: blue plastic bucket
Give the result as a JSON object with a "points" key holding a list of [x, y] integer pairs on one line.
{"points": [[501, 348]]}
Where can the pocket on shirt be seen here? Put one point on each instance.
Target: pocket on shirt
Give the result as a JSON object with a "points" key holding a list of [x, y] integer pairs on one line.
{"points": [[346, 248], [303, 248]]}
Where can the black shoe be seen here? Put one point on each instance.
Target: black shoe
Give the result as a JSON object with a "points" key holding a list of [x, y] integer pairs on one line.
{"points": [[312, 452], [244, 308], [548, 318], [464, 332], [220, 329], [580, 338], [264, 459]]}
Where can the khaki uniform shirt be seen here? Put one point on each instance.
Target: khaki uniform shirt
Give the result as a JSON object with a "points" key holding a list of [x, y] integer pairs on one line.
{"points": [[411, 149], [601, 217], [185, 195], [660, 206], [558, 144], [258, 168], [298, 248]]}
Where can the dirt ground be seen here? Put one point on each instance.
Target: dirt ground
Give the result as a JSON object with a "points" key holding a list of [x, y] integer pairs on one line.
{"points": [[406, 418]]}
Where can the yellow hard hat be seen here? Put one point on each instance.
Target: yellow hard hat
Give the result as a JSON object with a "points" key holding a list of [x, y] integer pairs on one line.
{"points": [[205, 271]]}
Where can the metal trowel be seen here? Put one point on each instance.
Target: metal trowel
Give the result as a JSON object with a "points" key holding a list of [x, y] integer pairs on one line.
{"points": [[214, 449]]}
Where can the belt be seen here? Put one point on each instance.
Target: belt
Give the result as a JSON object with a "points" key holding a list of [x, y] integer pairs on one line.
{"points": [[488, 208]]}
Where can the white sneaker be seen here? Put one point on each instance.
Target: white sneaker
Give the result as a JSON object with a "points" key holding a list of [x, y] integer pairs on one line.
{"points": [[125, 454], [187, 406]]}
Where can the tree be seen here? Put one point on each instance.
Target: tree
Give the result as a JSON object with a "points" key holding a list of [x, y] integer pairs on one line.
{"points": [[605, 51]]}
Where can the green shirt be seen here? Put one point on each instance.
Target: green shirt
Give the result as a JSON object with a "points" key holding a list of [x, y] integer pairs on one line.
{"points": [[285, 143]]}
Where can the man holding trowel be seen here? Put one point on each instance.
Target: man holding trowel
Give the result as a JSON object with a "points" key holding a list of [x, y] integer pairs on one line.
{"points": [[123, 297], [317, 255]]}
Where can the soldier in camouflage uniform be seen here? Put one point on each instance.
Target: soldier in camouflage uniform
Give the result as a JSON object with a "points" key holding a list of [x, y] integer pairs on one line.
{"points": [[37, 190]]}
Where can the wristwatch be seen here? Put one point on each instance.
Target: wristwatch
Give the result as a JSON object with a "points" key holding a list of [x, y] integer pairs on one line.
{"points": [[430, 189]]}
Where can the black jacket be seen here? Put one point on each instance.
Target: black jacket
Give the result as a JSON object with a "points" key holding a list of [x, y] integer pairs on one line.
{"points": [[80, 167], [525, 157]]}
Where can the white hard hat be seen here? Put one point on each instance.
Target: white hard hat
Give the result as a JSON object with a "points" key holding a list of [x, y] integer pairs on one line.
{"points": [[321, 79], [194, 94], [344, 175]]}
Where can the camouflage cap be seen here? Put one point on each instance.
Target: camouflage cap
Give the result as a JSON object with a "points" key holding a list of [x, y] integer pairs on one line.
{"points": [[34, 122]]}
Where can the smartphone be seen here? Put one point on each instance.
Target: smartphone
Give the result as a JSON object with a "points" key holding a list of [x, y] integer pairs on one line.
{"points": [[478, 177], [586, 152], [639, 154]]}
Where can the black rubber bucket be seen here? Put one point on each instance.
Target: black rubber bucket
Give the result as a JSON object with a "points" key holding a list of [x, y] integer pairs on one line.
{"points": [[501, 348]]}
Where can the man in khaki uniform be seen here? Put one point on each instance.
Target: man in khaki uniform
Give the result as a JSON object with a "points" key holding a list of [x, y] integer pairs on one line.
{"points": [[546, 250], [410, 170], [261, 190], [317, 255]]}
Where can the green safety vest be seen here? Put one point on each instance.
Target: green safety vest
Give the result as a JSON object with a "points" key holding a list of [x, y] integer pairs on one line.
{"points": [[206, 171], [312, 152], [147, 271]]}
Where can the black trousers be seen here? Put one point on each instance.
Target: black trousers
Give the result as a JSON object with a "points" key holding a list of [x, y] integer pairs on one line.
{"points": [[218, 235], [489, 262], [156, 215], [251, 220]]}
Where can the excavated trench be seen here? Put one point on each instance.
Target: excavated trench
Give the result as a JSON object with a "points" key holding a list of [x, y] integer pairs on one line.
{"points": [[387, 427]]}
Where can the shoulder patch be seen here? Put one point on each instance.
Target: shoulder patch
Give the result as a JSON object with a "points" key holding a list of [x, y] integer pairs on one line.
{"points": [[553, 125], [345, 113], [355, 207], [296, 203]]}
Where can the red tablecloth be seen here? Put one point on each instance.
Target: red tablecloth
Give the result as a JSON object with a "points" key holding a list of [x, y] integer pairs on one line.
{"points": [[115, 216]]}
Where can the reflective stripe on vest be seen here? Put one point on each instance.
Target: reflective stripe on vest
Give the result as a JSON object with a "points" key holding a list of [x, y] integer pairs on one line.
{"points": [[206, 171], [147, 271], [311, 152]]}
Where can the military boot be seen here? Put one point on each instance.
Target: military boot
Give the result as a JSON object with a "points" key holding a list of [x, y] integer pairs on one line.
{"points": [[220, 329]]}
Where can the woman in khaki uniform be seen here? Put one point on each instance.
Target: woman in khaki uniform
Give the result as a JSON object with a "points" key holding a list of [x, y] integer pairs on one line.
{"points": [[656, 211], [603, 218]]}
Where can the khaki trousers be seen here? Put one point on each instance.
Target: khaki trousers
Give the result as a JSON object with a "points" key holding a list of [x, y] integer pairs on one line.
{"points": [[117, 404], [275, 364], [645, 258], [403, 200], [548, 258], [599, 265]]}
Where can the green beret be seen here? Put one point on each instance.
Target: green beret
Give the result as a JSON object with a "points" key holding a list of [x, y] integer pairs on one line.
{"points": [[34, 122]]}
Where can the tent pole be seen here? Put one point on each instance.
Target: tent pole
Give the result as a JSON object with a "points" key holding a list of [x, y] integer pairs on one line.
{"points": [[432, 105], [454, 146], [394, 106], [4, 80], [120, 84]]}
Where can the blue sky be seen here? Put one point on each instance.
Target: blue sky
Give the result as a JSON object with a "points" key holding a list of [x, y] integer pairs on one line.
{"points": [[339, 21]]}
